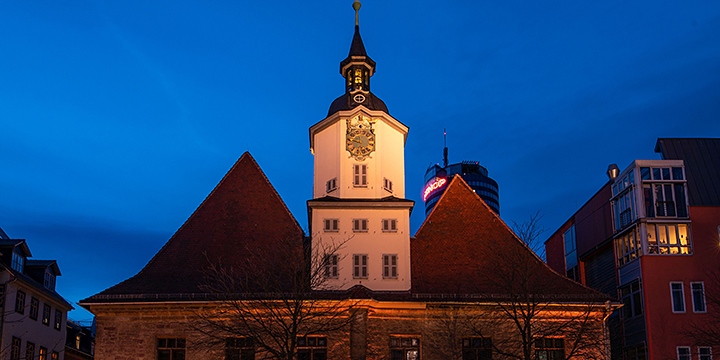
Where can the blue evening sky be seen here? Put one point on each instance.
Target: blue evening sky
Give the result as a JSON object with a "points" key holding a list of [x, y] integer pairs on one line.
{"points": [[117, 118]]}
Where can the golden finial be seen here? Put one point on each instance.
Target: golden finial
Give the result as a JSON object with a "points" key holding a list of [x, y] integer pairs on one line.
{"points": [[356, 6]]}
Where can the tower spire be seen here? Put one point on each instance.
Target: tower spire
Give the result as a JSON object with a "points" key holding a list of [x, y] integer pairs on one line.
{"points": [[356, 6], [445, 150]]}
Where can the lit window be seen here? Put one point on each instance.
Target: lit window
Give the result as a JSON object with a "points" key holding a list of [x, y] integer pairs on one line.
{"points": [[312, 348], [477, 348], [404, 348], [360, 268], [704, 353], [46, 315], [387, 185], [58, 319], [668, 239], [43, 353], [34, 306], [632, 300], [678, 297], [20, 302], [239, 348], [390, 266], [77, 341], [628, 247], [683, 353], [360, 175], [548, 348], [331, 185], [331, 266], [389, 225], [171, 349], [55, 355], [698, 295], [331, 225], [360, 225], [18, 262]]}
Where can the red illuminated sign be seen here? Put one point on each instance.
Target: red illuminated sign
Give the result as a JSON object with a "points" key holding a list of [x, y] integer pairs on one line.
{"points": [[434, 186]]}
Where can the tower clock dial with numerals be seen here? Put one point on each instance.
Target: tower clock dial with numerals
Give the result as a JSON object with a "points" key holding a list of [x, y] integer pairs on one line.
{"points": [[360, 142]]}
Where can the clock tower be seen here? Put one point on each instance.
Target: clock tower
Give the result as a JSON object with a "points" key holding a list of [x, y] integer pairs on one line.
{"points": [[359, 217]]}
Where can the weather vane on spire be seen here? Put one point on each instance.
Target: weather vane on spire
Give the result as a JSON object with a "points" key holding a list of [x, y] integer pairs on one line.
{"points": [[356, 6]]}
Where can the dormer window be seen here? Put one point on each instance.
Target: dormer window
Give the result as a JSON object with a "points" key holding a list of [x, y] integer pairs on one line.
{"points": [[18, 262], [49, 280]]}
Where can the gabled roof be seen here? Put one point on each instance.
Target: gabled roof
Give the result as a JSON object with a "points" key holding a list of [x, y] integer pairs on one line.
{"points": [[16, 242], [242, 215], [702, 166], [44, 264], [463, 249], [3, 235]]}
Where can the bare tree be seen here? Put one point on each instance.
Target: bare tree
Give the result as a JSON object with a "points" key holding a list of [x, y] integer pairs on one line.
{"points": [[268, 303], [530, 231], [706, 331]]}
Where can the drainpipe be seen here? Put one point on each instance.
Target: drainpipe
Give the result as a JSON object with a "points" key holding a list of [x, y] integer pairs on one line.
{"points": [[606, 331]]}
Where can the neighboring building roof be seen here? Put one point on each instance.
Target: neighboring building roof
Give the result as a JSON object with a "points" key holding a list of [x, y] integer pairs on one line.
{"points": [[702, 166], [242, 215], [36, 285], [3, 235], [463, 249]]}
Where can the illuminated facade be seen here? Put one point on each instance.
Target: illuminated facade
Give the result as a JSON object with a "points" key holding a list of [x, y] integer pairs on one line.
{"points": [[472, 172], [397, 293], [650, 237]]}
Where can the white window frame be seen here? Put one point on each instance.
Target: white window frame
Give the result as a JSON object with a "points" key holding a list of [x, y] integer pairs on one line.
{"points": [[672, 297], [359, 175], [389, 225], [706, 356], [687, 356], [360, 266], [387, 185], [331, 266], [360, 225], [331, 185], [702, 294], [331, 225], [671, 232], [390, 268]]}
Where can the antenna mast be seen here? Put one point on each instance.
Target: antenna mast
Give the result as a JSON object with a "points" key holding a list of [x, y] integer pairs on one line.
{"points": [[445, 150]]}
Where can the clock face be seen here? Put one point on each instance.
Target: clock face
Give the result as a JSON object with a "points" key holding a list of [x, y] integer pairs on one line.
{"points": [[360, 143]]}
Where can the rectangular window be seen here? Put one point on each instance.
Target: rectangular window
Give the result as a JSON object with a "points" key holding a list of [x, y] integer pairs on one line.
{"points": [[360, 175], [49, 280], [20, 302], [678, 297], [171, 349], [58, 319], [46, 315], [239, 348], [547, 348], [683, 353], [360, 268], [43, 353], [312, 348], [331, 266], [360, 225], [477, 348], [635, 352], [665, 200], [17, 262], [624, 209], [390, 266], [704, 353], [628, 247], [34, 306], [698, 295], [387, 185], [570, 248], [331, 185], [404, 348], [15, 348], [389, 225], [29, 351], [669, 239], [331, 225], [632, 300], [54, 355]]}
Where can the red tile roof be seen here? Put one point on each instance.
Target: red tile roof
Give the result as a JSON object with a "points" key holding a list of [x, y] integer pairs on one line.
{"points": [[463, 249], [242, 217]]}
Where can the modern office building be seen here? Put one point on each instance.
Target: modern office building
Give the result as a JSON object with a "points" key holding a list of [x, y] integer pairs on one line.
{"points": [[650, 237], [437, 178]]}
